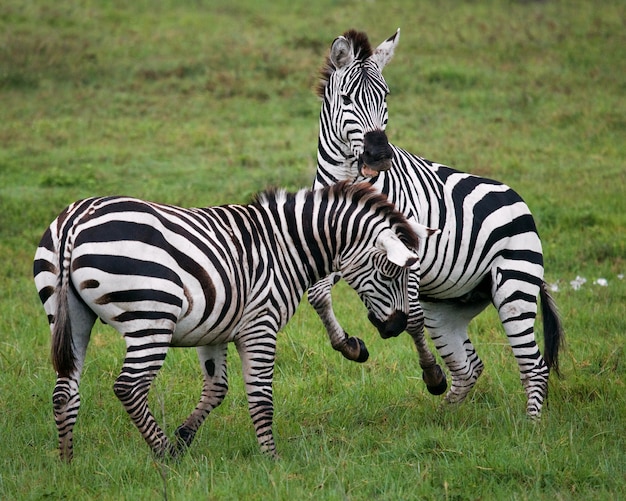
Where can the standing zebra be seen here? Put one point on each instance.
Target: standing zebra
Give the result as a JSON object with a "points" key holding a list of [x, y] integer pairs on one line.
{"points": [[488, 250], [166, 276]]}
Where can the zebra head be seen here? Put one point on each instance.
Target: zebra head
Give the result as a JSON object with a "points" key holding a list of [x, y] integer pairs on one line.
{"points": [[380, 276], [377, 254], [354, 110]]}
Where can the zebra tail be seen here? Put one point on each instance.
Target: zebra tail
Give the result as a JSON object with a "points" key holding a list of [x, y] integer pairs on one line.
{"points": [[553, 335], [63, 359]]}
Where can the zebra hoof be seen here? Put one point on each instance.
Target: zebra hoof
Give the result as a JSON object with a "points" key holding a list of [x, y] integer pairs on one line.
{"points": [[184, 437], [356, 350], [437, 388]]}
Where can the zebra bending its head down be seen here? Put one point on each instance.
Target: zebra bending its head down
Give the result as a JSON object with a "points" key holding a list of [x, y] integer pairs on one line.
{"points": [[167, 276], [488, 251]]}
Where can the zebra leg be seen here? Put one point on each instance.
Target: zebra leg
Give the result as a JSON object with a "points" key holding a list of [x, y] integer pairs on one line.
{"points": [[516, 302], [319, 296], [432, 374], [213, 363], [447, 324], [65, 398], [145, 354], [257, 351]]}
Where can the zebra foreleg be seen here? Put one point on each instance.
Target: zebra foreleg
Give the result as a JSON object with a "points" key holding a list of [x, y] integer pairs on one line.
{"points": [[214, 389], [144, 357], [319, 296], [432, 374], [257, 351]]}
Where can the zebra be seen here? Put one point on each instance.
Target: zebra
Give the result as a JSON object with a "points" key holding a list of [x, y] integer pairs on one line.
{"points": [[488, 250], [167, 276]]}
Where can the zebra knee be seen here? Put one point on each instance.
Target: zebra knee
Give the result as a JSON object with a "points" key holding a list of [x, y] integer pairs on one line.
{"points": [[125, 390], [60, 399], [65, 395]]}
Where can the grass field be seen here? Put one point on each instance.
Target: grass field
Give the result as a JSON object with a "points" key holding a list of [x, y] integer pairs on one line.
{"points": [[202, 103]]}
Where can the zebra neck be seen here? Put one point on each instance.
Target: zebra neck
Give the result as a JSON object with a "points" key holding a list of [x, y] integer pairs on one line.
{"points": [[333, 165], [301, 246]]}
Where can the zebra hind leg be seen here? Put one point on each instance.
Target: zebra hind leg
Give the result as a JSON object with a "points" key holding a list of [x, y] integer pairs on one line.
{"points": [[145, 354], [66, 403], [319, 296], [66, 398], [517, 308], [215, 386], [447, 324]]}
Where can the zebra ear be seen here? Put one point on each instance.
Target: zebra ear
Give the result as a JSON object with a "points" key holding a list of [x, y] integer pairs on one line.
{"points": [[341, 52], [421, 230], [384, 52], [397, 253]]}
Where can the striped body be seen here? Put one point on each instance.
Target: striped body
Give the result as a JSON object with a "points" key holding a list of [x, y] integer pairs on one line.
{"points": [[167, 276], [488, 251]]}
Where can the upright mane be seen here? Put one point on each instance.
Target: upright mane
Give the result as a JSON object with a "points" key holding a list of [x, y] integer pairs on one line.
{"points": [[358, 194], [362, 50], [364, 193]]}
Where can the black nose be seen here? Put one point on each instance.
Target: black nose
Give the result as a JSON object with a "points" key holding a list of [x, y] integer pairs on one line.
{"points": [[392, 327], [376, 149]]}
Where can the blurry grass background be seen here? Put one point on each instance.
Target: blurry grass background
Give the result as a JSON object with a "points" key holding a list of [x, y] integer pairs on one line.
{"points": [[202, 103]]}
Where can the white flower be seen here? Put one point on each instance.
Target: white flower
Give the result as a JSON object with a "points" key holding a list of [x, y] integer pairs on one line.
{"points": [[603, 282], [620, 276], [578, 282], [554, 287]]}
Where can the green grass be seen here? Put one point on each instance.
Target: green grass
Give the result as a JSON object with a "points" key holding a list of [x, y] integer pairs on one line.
{"points": [[203, 103]]}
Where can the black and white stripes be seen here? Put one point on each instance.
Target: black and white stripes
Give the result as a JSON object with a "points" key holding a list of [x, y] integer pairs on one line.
{"points": [[167, 276], [488, 250]]}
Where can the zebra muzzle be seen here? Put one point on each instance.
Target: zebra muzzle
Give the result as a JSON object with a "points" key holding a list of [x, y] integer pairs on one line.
{"points": [[392, 327], [377, 154]]}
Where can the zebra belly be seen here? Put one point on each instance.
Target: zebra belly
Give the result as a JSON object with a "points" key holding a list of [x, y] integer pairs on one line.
{"points": [[139, 303], [479, 294], [189, 333], [200, 337]]}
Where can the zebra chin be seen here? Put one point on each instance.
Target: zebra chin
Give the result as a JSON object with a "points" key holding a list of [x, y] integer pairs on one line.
{"points": [[392, 327]]}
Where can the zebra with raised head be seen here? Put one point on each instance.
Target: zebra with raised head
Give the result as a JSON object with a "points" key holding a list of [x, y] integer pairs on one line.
{"points": [[488, 251], [166, 276]]}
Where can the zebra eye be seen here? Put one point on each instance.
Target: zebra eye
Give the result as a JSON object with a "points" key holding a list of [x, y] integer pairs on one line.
{"points": [[346, 99], [389, 271]]}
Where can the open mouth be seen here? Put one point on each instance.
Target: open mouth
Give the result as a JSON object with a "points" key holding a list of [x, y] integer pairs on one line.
{"points": [[367, 172], [374, 168], [377, 154]]}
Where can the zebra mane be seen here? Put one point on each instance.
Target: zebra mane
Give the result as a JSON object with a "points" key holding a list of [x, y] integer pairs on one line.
{"points": [[358, 194], [362, 50]]}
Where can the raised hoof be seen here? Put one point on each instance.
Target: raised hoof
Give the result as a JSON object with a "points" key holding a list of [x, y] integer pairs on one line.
{"points": [[357, 351], [439, 388]]}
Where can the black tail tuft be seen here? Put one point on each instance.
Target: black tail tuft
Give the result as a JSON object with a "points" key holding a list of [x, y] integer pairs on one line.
{"points": [[63, 359], [553, 335]]}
